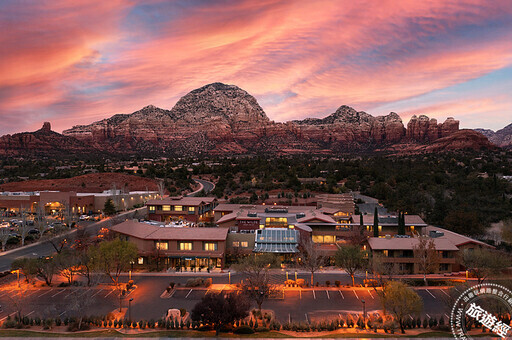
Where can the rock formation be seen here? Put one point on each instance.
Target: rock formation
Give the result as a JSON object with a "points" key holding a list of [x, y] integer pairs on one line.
{"points": [[219, 119], [501, 138]]}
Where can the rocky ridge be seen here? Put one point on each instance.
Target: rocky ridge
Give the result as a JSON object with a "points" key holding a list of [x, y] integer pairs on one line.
{"points": [[219, 119], [501, 138]]}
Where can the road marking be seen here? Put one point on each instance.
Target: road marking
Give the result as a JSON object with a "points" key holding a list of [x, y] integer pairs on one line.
{"points": [[447, 316], [428, 316], [188, 294], [428, 291], [45, 292], [306, 315], [62, 313], [456, 289], [30, 313], [355, 294], [314, 295], [339, 291], [93, 295], [445, 293], [328, 294], [370, 294], [300, 292], [109, 293], [411, 317]]}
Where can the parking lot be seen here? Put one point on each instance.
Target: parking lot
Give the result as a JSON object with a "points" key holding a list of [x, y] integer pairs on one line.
{"points": [[289, 303]]}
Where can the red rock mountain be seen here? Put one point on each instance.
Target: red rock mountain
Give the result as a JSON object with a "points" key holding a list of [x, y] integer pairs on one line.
{"points": [[219, 119]]}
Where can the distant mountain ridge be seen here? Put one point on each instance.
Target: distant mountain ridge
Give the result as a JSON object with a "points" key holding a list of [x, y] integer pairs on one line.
{"points": [[220, 119], [501, 138]]}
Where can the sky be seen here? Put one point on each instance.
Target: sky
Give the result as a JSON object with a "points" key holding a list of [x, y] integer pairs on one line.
{"points": [[74, 62]]}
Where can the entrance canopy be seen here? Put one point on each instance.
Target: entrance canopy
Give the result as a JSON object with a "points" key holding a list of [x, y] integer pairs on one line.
{"points": [[276, 240]]}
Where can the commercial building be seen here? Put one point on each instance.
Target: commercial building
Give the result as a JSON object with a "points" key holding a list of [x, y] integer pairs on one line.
{"points": [[185, 208], [388, 224], [54, 202], [177, 245]]}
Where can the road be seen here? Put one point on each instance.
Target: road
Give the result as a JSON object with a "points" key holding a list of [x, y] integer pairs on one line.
{"points": [[207, 186], [45, 248]]}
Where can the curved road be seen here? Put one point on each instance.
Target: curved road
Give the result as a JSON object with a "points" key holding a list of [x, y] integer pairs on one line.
{"points": [[207, 186]]}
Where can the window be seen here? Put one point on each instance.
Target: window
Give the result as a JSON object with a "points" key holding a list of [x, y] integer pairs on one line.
{"points": [[185, 245], [236, 244], [385, 252], [245, 244], [151, 208], [178, 208], [166, 207], [140, 260], [162, 245], [191, 209], [323, 238], [444, 267], [210, 246], [276, 221]]}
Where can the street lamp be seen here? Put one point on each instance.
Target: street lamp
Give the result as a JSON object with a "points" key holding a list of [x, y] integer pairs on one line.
{"points": [[286, 276], [130, 309], [229, 276], [364, 313], [295, 276]]}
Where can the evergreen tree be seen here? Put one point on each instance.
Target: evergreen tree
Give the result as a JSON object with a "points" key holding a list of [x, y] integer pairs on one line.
{"points": [[109, 208], [401, 223], [376, 223]]}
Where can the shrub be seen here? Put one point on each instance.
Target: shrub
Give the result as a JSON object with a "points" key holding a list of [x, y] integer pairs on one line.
{"points": [[262, 329], [208, 282], [289, 283], [337, 283], [168, 289], [171, 285], [204, 328], [425, 323], [300, 282], [244, 330], [183, 311], [327, 283]]}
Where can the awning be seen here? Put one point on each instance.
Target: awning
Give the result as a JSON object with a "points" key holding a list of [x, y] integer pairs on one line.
{"points": [[276, 248]]}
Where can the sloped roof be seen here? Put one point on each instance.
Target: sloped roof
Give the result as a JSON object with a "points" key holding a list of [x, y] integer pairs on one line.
{"points": [[186, 200], [455, 238], [381, 243], [150, 232], [414, 220]]}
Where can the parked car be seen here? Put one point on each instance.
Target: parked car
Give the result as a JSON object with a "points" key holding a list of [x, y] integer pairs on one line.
{"points": [[33, 232], [84, 217]]}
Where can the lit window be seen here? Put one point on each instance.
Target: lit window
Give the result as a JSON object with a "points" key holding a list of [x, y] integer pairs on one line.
{"points": [[328, 239], [245, 244], [178, 208], [210, 246], [385, 252], [162, 245], [152, 208], [140, 260], [166, 207], [185, 245], [380, 228], [318, 238], [192, 209], [236, 244]]}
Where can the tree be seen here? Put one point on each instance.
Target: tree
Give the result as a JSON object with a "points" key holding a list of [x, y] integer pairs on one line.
{"points": [[257, 284], [23, 228], [376, 223], [113, 257], [401, 223], [5, 234], [109, 208], [26, 266], [161, 189], [351, 258], [382, 268], [400, 300], [67, 262], [427, 256], [45, 269], [311, 258], [219, 310], [483, 262]]}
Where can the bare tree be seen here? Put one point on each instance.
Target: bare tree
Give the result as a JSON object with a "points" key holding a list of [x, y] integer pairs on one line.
{"points": [[351, 258], [40, 221], [427, 256], [161, 189], [4, 236], [257, 285], [311, 258], [483, 262], [81, 300], [23, 228], [19, 302], [382, 270], [67, 263]]}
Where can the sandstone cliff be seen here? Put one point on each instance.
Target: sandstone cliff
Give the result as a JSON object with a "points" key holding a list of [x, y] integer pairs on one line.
{"points": [[219, 119]]}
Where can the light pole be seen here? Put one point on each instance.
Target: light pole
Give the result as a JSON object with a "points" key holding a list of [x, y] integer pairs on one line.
{"points": [[295, 276], [229, 276], [130, 309], [364, 313], [286, 276]]}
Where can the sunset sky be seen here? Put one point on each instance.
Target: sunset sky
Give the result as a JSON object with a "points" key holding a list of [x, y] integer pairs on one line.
{"points": [[74, 62]]}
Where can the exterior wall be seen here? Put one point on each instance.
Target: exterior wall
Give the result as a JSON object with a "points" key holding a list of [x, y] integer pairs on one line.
{"points": [[16, 203], [228, 224], [233, 238], [397, 257]]}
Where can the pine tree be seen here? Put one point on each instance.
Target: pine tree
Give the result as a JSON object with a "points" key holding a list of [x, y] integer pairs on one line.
{"points": [[376, 223], [401, 223]]}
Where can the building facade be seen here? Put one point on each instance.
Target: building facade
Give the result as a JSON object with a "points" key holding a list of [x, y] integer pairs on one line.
{"points": [[192, 209]]}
